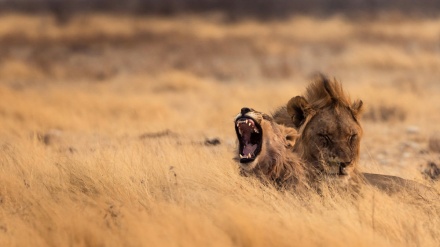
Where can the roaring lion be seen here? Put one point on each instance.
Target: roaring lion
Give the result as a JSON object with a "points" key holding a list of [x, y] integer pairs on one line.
{"points": [[265, 150]]}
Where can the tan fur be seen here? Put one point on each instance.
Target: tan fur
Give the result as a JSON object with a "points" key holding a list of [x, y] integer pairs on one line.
{"points": [[294, 154], [326, 109], [276, 163], [328, 128], [279, 165]]}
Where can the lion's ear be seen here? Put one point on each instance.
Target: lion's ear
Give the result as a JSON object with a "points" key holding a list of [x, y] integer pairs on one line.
{"points": [[298, 109], [291, 135], [357, 108]]}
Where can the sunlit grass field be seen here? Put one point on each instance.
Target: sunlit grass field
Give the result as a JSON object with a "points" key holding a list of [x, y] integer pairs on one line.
{"points": [[109, 125]]}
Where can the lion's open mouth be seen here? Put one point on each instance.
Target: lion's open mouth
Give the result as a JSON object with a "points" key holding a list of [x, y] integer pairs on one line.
{"points": [[250, 136]]}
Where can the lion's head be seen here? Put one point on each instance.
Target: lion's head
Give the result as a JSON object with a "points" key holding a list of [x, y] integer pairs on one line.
{"points": [[328, 126], [260, 139], [265, 150]]}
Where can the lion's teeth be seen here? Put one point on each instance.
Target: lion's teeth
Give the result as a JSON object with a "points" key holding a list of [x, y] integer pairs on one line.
{"points": [[239, 130], [250, 124], [249, 155], [256, 130], [246, 121], [241, 156]]}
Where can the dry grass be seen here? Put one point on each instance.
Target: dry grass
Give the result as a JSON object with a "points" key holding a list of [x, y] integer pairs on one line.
{"points": [[120, 160]]}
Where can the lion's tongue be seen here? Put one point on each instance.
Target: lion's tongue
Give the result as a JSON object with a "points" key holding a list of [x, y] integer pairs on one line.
{"points": [[249, 149], [246, 132]]}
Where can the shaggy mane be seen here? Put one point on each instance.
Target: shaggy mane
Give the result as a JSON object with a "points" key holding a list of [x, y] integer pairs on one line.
{"points": [[324, 92]]}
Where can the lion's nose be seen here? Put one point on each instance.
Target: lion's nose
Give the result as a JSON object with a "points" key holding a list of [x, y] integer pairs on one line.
{"points": [[245, 110], [344, 164]]}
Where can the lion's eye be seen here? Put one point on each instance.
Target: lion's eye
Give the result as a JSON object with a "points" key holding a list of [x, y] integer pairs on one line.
{"points": [[352, 138], [326, 140]]}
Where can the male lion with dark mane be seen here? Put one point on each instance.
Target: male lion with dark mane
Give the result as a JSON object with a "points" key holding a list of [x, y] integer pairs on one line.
{"points": [[328, 128]]}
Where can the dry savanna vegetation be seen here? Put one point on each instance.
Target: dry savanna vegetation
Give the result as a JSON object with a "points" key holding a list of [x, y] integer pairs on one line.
{"points": [[118, 130]]}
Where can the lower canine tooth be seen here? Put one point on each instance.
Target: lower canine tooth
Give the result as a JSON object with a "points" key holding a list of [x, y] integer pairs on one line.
{"points": [[241, 156]]}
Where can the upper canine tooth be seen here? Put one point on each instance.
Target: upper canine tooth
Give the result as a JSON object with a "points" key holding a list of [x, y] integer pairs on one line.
{"points": [[256, 130]]}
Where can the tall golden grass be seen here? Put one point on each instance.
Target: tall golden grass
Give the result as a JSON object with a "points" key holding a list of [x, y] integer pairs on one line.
{"points": [[123, 161]]}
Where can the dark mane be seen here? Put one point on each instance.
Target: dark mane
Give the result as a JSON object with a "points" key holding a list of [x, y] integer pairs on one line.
{"points": [[324, 92]]}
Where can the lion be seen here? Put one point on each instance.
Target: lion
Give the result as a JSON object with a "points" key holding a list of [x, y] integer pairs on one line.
{"points": [[328, 137], [265, 150], [329, 131]]}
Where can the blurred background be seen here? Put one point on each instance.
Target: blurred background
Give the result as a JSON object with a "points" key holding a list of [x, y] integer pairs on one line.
{"points": [[227, 40], [234, 9]]}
